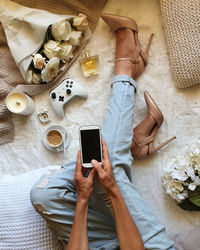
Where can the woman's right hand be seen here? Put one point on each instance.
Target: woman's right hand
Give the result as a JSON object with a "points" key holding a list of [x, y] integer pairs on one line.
{"points": [[105, 172]]}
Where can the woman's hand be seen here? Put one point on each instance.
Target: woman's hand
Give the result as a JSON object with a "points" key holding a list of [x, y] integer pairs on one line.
{"points": [[105, 171], [84, 185]]}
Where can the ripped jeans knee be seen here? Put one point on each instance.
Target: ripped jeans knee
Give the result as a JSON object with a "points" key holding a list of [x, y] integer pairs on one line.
{"points": [[41, 209], [39, 196]]}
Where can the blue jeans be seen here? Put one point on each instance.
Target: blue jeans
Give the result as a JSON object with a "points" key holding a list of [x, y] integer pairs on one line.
{"points": [[54, 195]]}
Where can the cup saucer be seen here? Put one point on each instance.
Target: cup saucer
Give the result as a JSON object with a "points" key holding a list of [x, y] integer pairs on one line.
{"points": [[66, 138]]}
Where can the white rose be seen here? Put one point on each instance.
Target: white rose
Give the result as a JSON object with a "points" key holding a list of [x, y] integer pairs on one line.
{"points": [[51, 49], [75, 37], [51, 70], [28, 77], [66, 51], [80, 22], [36, 78], [39, 61], [61, 30]]}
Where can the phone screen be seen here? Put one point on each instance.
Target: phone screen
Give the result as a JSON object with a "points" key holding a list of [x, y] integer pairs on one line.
{"points": [[90, 143]]}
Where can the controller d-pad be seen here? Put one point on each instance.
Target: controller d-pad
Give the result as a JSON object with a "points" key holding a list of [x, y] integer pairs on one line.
{"points": [[61, 98], [68, 91], [53, 95]]}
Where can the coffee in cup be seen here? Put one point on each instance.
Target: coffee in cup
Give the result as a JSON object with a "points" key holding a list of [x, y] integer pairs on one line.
{"points": [[54, 138]]}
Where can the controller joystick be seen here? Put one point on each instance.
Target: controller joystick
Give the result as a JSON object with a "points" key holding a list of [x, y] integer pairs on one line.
{"points": [[63, 93], [53, 95], [68, 91]]}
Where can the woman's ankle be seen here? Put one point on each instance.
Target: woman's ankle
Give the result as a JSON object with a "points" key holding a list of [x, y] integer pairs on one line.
{"points": [[124, 68]]}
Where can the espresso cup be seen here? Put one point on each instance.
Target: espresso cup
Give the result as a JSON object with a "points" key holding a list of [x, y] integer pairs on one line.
{"points": [[54, 138]]}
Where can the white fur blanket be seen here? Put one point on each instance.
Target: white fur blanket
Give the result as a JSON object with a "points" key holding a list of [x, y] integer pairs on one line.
{"points": [[180, 109]]}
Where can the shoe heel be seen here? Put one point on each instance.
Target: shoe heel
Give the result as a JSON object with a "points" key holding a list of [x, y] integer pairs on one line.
{"points": [[153, 149]]}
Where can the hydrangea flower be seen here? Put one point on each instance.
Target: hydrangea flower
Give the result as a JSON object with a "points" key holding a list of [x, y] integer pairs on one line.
{"points": [[182, 176]]}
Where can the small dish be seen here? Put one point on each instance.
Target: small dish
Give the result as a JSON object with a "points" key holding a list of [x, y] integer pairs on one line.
{"points": [[65, 143], [43, 116]]}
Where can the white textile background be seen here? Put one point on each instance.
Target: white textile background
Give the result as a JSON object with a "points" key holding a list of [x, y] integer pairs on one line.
{"points": [[181, 109]]}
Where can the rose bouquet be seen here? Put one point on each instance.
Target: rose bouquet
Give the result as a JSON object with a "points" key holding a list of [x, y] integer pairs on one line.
{"points": [[42, 44], [61, 39], [181, 179]]}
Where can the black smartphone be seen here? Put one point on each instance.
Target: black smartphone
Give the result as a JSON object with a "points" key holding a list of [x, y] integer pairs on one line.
{"points": [[90, 144]]}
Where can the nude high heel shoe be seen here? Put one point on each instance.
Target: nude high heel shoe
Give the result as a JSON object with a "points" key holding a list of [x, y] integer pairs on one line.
{"points": [[116, 22], [138, 145]]}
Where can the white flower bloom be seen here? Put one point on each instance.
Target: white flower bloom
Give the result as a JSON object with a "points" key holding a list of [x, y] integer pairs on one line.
{"points": [[66, 51], [52, 49], [51, 70], [36, 78], [80, 22], [75, 38], [190, 172], [61, 30], [180, 197], [28, 77], [183, 174], [179, 175], [192, 187], [173, 187], [38, 61], [197, 181]]}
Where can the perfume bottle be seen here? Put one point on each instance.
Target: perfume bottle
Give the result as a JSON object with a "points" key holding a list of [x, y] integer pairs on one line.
{"points": [[90, 65]]}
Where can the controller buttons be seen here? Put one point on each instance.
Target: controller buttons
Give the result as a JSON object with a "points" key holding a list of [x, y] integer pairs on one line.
{"points": [[67, 81], [67, 85], [61, 98], [68, 91], [70, 86], [71, 82], [53, 95]]}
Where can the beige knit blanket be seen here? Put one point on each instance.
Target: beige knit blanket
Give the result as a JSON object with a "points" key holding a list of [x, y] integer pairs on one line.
{"points": [[9, 73]]}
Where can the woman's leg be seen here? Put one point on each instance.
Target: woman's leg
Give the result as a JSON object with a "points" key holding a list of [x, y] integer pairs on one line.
{"points": [[117, 132], [117, 129], [54, 197]]}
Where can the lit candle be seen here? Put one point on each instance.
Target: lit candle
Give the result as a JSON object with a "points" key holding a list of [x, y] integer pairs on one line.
{"points": [[19, 103]]}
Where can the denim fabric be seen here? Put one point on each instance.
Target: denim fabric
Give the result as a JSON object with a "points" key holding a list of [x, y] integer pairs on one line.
{"points": [[54, 195]]}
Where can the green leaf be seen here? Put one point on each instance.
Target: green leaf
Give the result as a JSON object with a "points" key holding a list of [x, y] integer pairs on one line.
{"points": [[194, 196], [188, 205]]}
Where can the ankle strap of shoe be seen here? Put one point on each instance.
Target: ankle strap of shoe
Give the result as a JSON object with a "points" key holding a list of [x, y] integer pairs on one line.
{"points": [[126, 59]]}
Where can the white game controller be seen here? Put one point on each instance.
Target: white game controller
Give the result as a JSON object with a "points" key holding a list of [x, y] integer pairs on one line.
{"points": [[63, 93]]}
